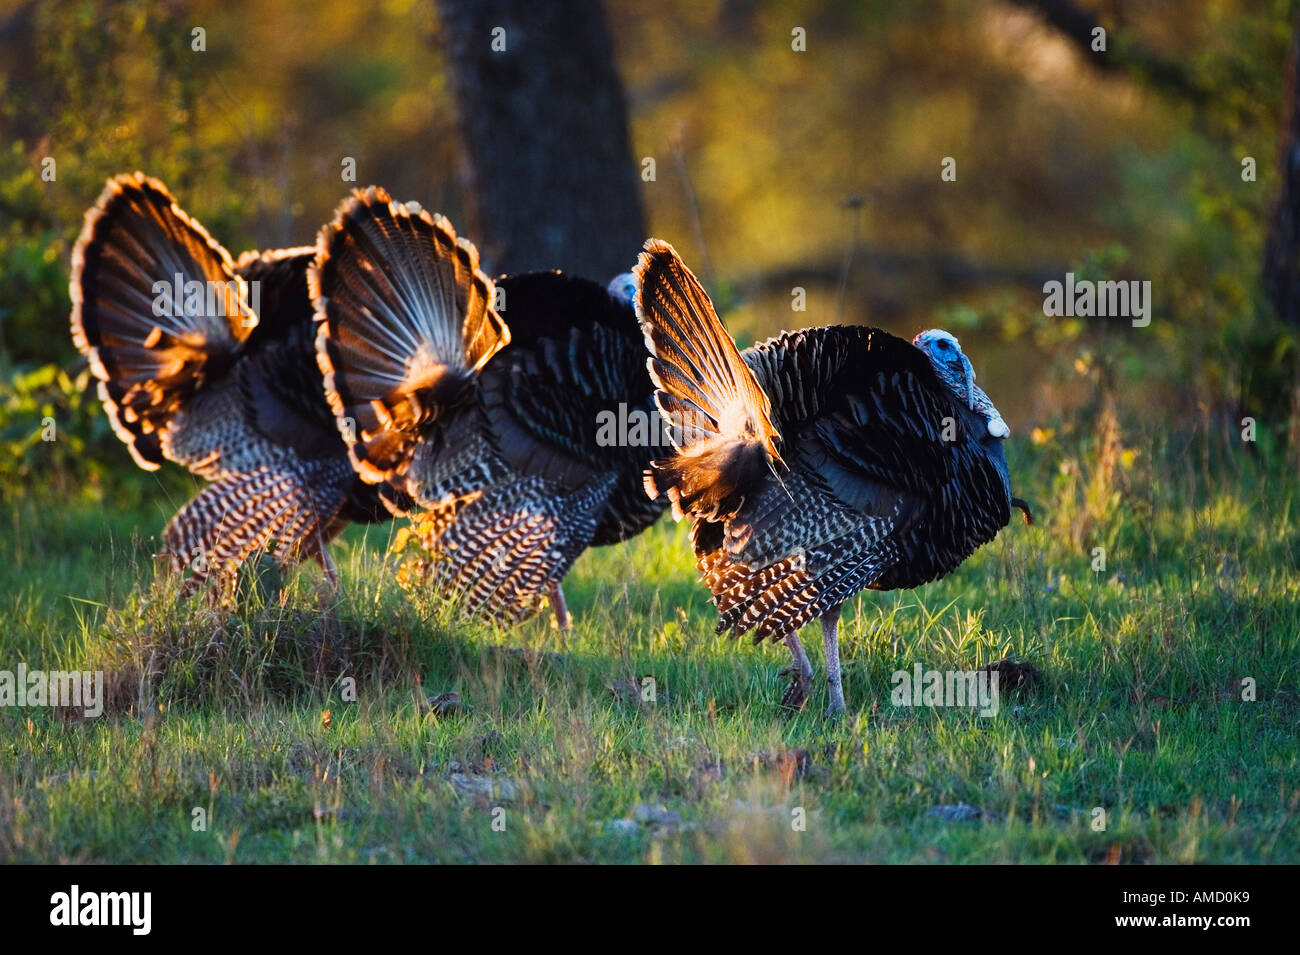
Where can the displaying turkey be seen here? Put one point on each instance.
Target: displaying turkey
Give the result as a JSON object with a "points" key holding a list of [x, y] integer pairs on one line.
{"points": [[211, 363], [816, 464], [483, 402]]}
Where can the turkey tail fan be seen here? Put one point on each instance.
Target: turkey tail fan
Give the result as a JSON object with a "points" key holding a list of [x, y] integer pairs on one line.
{"points": [[404, 322], [720, 416], [156, 307], [288, 510]]}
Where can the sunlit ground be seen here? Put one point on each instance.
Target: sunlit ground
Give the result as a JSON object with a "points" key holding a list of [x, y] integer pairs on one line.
{"points": [[1135, 745]]}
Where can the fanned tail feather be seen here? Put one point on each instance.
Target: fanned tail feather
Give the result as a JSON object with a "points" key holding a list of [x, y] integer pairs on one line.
{"points": [[720, 417], [151, 346], [404, 322]]}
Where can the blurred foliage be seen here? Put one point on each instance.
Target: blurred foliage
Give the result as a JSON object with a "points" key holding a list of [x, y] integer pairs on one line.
{"points": [[51, 428], [1061, 165]]}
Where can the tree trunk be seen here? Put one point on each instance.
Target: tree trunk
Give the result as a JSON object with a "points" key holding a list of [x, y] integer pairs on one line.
{"points": [[543, 124], [1282, 250]]}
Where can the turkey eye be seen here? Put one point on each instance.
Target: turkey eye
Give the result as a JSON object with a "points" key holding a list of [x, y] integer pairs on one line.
{"points": [[943, 345]]}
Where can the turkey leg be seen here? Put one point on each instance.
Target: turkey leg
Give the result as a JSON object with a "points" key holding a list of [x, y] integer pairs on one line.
{"points": [[796, 694], [831, 639]]}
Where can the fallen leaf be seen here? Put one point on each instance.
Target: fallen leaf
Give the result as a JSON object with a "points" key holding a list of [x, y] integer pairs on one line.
{"points": [[793, 764], [1133, 853]]}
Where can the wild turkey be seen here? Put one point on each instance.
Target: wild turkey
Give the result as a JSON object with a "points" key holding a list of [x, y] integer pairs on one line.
{"points": [[211, 363], [491, 427], [817, 463]]}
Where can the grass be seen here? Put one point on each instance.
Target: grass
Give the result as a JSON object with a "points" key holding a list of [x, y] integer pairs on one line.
{"points": [[1138, 711]]}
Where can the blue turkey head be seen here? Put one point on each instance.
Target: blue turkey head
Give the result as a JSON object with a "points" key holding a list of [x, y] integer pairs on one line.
{"points": [[955, 370], [623, 288]]}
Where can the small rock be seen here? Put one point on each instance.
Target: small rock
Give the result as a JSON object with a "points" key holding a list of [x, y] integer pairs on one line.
{"points": [[504, 789], [663, 820], [1012, 674], [633, 690], [713, 769], [962, 812], [445, 704]]}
